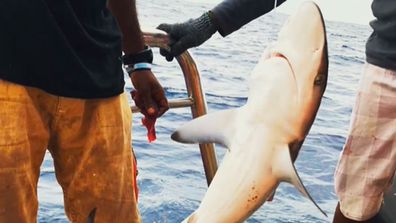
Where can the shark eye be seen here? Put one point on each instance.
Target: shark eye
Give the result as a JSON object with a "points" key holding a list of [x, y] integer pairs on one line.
{"points": [[319, 79]]}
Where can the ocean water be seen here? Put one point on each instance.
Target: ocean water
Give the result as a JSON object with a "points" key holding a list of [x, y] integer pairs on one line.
{"points": [[171, 177]]}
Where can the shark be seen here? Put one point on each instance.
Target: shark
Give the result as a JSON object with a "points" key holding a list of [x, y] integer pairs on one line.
{"points": [[264, 136]]}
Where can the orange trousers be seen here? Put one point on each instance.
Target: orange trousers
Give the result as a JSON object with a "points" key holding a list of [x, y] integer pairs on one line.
{"points": [[90, 142]]}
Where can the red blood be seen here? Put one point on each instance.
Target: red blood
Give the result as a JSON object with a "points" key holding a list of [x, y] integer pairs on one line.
{"points": [[149, 122]]}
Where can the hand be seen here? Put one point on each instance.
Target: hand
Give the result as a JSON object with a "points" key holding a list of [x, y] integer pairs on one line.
{"points": [[185, 35], [149, 95]]}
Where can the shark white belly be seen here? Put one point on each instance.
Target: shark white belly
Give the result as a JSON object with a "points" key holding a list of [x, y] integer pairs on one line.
{"points": [[264, 136]]}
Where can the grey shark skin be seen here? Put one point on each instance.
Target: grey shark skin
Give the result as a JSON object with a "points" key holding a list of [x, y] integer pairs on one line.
{"points": [[264, 136]]}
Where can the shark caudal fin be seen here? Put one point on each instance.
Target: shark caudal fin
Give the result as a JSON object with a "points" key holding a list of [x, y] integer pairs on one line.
{"points": [[211, 128], [285, 170]]}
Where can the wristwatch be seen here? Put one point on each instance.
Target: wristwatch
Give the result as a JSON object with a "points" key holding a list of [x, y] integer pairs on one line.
{"points": [[145, 56]]}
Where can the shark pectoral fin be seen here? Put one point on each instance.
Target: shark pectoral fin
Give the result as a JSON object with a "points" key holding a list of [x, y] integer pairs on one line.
{"points": [[215, 127], [285, 170]]}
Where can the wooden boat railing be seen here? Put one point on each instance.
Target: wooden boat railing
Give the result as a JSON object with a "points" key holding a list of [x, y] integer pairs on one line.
{"points": [[195, 100]]}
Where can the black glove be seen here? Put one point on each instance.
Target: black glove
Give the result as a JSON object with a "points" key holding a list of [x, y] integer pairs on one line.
{"points": [[188, 34]]}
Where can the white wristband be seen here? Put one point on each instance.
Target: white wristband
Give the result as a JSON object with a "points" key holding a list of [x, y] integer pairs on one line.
{"points": [[142, 66], [138, 66]]}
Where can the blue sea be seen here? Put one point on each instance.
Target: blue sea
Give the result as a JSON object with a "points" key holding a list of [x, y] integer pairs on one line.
{"points": [[171, 177]]}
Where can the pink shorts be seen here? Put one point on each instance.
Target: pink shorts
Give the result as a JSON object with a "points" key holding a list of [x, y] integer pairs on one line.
{"points": [[368, 161]]}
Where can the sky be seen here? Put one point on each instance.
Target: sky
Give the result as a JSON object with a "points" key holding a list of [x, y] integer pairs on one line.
{"points": [[350, 11]]}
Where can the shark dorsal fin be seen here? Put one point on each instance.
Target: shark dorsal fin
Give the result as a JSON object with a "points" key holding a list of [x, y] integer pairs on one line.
{"points": [[211, 128], [285, 170]]}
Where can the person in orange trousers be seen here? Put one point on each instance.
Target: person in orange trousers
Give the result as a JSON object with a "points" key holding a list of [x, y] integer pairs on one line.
{"points": [[62, 90]]}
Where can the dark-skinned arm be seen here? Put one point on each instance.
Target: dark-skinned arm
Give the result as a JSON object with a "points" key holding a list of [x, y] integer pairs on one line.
{"points": [[227, 17], [149, 95]]}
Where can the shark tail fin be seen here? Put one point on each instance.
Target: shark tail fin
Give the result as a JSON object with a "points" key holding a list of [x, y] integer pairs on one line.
{"points": [[286, 171]]}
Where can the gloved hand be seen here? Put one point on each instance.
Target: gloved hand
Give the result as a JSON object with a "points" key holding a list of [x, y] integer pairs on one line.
{"points": [[188, 34]]}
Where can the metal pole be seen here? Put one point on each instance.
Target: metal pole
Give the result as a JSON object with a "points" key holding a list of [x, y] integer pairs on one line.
{"points": [[194, 89], [196, 98]]}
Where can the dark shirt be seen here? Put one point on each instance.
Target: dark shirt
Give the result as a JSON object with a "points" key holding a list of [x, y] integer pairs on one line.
{"points": [[69, 48], [230, 15], [381, 45]]}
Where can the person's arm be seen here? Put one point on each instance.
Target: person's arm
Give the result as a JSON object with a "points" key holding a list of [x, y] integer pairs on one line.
{"points": [[227, 17], [125, 13], [231, 15], [149, 95]]}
